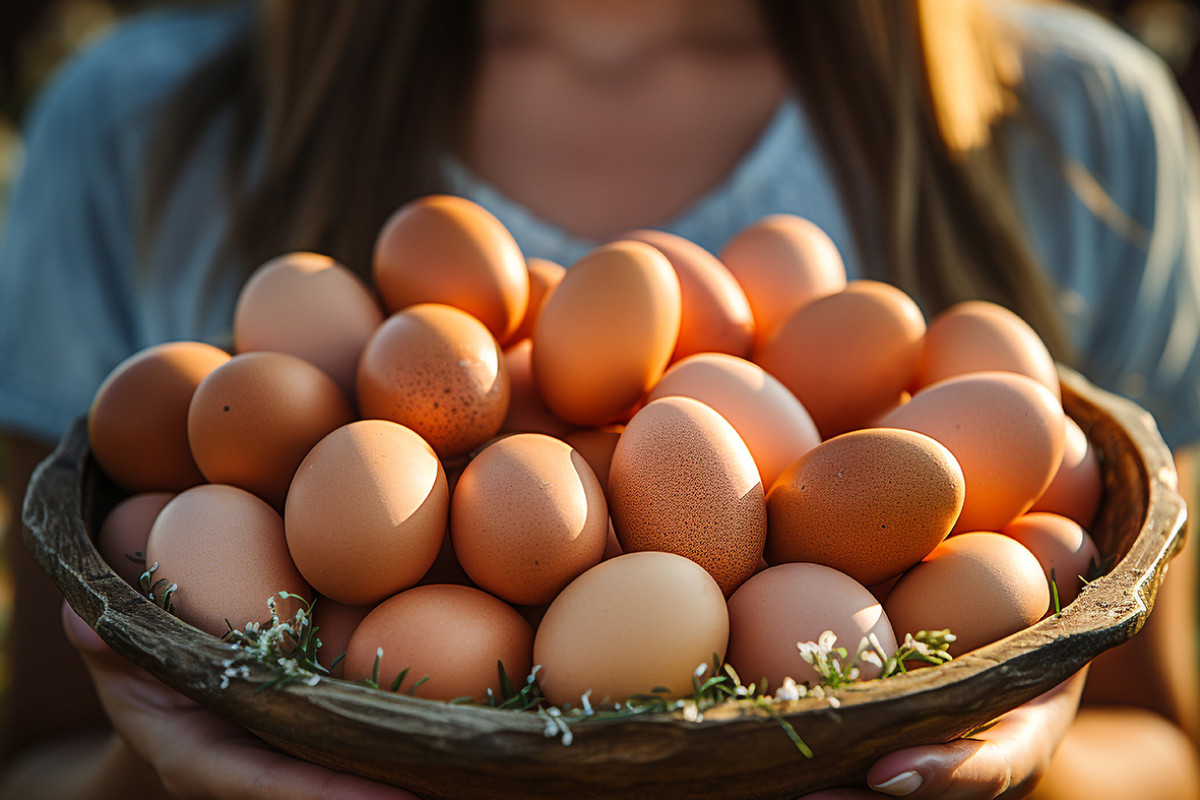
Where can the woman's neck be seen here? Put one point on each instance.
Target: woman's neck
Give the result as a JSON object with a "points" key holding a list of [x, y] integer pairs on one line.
{"points": [[604, 116]]}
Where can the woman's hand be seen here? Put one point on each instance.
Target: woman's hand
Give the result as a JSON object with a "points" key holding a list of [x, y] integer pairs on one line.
{"points": [[1005, 760], [196, 753]]}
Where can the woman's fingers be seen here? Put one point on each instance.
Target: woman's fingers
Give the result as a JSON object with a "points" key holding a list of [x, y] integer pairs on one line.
{"points": [[197, 753], [1004, 760]]}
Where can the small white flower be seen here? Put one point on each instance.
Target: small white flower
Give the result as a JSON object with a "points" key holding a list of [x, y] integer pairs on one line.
{"points": [[809, 651], [788, 690], [871, 657]]}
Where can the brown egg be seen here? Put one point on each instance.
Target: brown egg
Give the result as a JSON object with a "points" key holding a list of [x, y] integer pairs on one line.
{"points": [[366, 513], [714, 313], [445, 249], [775, 426], [1077, 487], [544, 277], [312, 307], [451, 636], [439, 371], [628, 626], [981, 586], [682, 481], [870, 503], [1063, 548], [606, 333], [526, 411], [254, 418], [121, 539], [225, 550], [977, 335], [336, 623], [597, 445], [791, 603], [527, 517], [137, 423], [782, 262], [847, 356], [1006, 432]]}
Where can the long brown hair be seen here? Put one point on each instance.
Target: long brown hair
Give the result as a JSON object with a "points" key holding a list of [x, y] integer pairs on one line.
{"points": [[349, 104]]}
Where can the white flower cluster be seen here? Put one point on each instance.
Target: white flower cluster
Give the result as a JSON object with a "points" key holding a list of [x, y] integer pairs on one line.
{"points": [[266, 644]]}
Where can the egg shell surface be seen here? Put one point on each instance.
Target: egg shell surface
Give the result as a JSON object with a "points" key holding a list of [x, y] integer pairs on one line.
{"points": [[606, 334], [1061, 545], [715, 316], [225, 549], [597, 446], [367, 512], [870, 503], [775, 426], [310, 306], [847, 356], [137, 422], [1005, 430], [527, 517], [437, 370], [452, 635], [682, 481], [1077, 488], [254, 418], [122, 537], [791, 603], [450, 250], [982, 586], [544, 277], [782, 262], [526, 411], [977, 335], [629, 625]]}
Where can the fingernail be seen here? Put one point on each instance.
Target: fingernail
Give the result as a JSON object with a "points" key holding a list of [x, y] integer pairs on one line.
{"points": [[902, 785], [78, 631]]}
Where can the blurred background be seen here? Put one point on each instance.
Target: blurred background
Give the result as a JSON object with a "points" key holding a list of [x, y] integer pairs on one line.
{"points": [[36, 35]]}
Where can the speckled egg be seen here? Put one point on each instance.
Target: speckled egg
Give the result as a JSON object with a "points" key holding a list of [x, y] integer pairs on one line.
{"points": [[437, 370], [682, 481]]}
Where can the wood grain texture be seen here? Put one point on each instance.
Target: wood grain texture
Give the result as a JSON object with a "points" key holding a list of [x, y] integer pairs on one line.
{"points": [[443, 751]]}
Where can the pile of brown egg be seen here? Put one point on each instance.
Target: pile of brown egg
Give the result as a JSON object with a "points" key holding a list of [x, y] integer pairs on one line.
{"points": [[611, 472]]}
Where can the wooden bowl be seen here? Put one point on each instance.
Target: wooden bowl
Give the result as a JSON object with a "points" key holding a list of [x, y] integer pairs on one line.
{"points": [[439, 750]]}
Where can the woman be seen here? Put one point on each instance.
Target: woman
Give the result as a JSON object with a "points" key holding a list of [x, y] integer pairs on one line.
{"points": [[1026, 154]]}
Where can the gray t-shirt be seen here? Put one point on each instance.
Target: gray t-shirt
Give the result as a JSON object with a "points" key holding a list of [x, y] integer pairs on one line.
{"points": [[73, 304]]}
